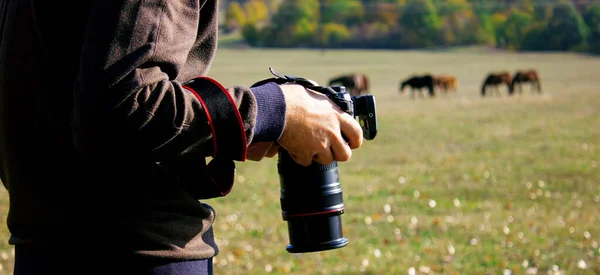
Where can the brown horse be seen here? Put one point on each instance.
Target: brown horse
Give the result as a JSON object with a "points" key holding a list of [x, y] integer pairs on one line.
{"points": [[493, 80], [446, 83], [528, 76], [356, 84], [419, 82]]}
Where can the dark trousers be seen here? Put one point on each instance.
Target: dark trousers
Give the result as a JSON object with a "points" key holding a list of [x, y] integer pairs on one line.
{"points": [[42, 260]]}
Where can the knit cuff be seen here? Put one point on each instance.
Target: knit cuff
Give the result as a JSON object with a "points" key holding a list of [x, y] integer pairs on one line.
{"points": [[271, 108]]}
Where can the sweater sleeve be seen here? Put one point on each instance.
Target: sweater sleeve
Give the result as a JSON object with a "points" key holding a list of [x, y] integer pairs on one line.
{"points": [[130, 100]]}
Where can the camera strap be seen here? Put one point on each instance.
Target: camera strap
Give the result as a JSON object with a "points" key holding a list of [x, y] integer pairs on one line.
{"points": [[345, 105]]}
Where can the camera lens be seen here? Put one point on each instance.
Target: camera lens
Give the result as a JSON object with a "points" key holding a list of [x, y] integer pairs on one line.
{"points": [[312, 204]]}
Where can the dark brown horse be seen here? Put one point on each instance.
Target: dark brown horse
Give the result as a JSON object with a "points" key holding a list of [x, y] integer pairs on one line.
{"points": [[417, 83], [529, 76], [494, 80], [356, 84]]}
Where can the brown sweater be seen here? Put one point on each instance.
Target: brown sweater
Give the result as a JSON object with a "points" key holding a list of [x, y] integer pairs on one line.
{"points": [[99, 140]]}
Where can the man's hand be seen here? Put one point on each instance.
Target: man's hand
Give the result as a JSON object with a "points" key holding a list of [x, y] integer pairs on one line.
{"points": [[314, 126], [257, 151]]}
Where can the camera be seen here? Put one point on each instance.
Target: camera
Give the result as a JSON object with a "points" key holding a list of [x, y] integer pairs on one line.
{"points": [[311, 196]]}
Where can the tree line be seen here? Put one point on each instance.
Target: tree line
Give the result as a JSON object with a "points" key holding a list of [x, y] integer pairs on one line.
{"points": [[521, 25]]}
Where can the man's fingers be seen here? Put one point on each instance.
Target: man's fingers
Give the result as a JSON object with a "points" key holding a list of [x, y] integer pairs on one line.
{"points": [[325, 157], [341, 151], [272, 151], [257, 151], [351, 130], [304, 159]]}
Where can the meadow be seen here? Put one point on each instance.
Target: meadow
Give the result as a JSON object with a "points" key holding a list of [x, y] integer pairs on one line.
{"points": [[456, 184]]}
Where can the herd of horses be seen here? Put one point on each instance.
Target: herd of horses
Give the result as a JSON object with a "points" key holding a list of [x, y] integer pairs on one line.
{"points": [[432, 83], [496, 79], [358, 84]]}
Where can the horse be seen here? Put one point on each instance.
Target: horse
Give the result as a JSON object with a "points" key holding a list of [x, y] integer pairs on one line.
{"points": [[496, 79], [356, 84], [528, 76], [419, 82], [446, 83]]}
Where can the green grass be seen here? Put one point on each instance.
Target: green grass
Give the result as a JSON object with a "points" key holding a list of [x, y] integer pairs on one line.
{"points": [[457, 184]]}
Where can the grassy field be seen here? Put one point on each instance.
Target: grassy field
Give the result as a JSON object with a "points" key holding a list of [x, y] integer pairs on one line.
{"points": [[457, 184]]}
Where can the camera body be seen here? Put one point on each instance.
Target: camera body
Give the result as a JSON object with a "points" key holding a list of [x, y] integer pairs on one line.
{"points": [[311, 196]]}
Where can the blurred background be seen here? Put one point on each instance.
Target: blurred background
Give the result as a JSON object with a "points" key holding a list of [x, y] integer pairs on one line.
{"points": [[464, 177], [531, 25]]}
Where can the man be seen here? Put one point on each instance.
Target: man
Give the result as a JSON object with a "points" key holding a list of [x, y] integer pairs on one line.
{"points": [[106, 118]]}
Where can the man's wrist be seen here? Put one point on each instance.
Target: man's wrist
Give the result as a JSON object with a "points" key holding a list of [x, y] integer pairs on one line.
{"points": [[271, 111]]}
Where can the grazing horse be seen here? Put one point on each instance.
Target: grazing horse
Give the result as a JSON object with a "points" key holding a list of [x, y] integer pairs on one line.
{"points": [[356, 84], [496, 79], [418, 82], [446, 83], [529, 76]]}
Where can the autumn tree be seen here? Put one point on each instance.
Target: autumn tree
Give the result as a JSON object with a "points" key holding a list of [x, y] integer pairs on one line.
{"points": [[566, 28], [235, 16], [295, 24], [420, 23], [257, 12], [347, 12], [591, 16], [457, 17], [335, 34], [512, 32]]}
